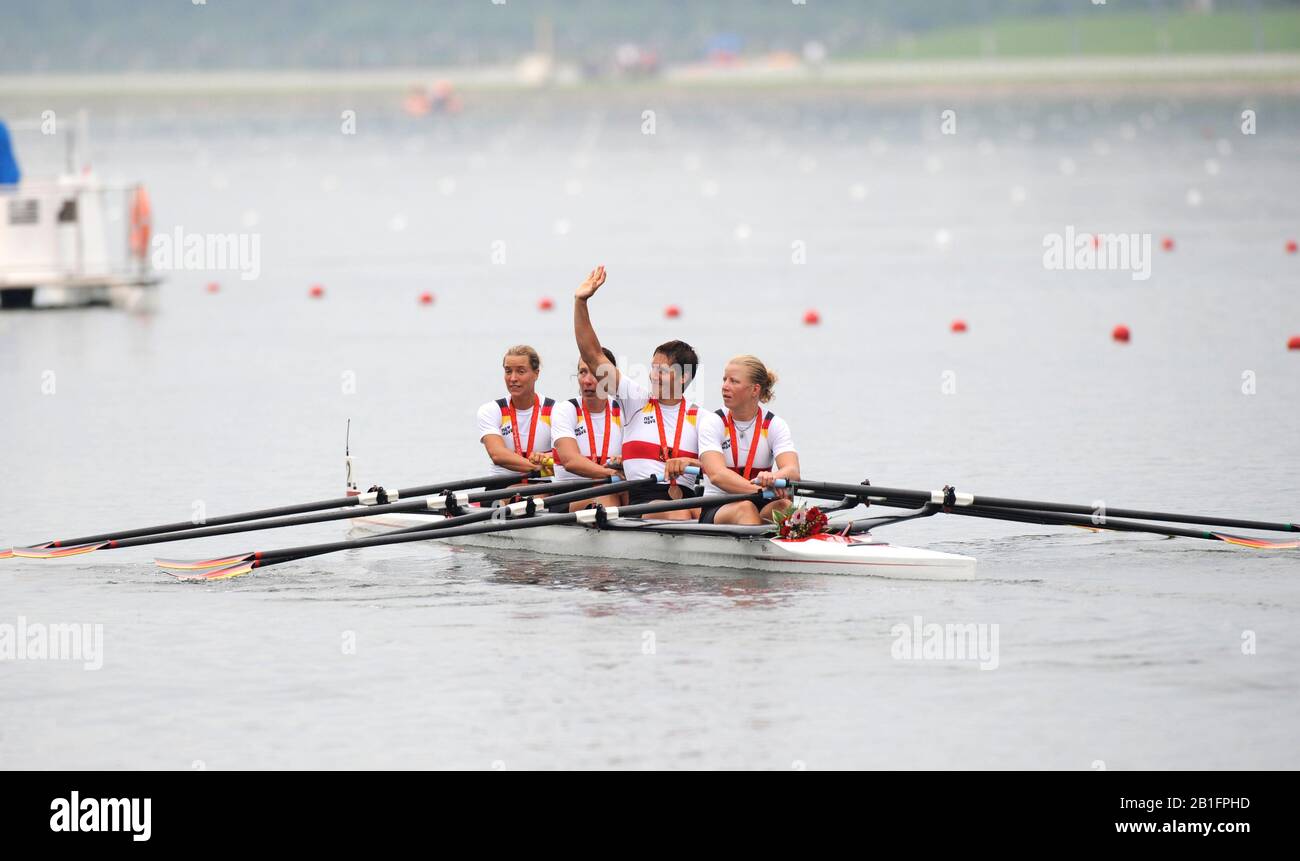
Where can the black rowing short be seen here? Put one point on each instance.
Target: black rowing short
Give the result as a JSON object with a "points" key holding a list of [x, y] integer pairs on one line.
{"points": [[707, 515], [644, 493]]}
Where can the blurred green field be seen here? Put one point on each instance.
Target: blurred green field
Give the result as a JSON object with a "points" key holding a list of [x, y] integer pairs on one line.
{"points": [[1106, 31]]}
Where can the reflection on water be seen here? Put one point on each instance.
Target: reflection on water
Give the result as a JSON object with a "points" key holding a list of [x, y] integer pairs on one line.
{"points": [[666, 584]]}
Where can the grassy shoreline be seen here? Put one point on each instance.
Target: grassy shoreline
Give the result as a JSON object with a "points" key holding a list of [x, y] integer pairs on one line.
{"points": [[1101, 31]]}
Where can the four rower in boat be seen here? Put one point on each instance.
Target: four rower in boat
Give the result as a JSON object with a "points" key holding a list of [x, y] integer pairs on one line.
{"points": [[744, 445], [588, 433], [516, 429], [659, 426]]}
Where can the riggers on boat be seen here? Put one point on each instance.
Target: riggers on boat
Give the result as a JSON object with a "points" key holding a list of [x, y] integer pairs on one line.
{"points": [[753, 548], [536, 517]]}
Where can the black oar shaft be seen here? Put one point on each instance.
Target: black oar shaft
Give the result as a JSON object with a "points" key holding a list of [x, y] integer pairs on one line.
{"points": [[1051, 518], [594, 488], [301, 508], [613, 487], [1103, 514], [413, 505], [497, 525], [919, 496]]}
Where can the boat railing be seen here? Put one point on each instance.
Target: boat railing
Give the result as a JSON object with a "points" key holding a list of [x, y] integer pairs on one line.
{"points": [[71, 232]]}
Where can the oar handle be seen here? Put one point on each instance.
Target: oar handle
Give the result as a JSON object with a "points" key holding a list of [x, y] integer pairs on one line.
{"points": [[695, 470]]}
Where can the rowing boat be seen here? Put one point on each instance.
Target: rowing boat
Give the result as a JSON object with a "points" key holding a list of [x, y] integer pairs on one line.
{"points": [[686, 543], [533, 517], [752, 548]]}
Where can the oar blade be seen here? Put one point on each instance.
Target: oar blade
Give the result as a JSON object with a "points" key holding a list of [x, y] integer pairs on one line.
{"points": [[1257, 543], [202, 564], [50, 552], [26, 552], [237, 570]]}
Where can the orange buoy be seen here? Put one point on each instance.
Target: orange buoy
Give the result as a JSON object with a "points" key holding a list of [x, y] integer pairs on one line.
{"points": [[214, 287], [1294, 343], [1120, 333], [811, 317], [672, 312], [416, 103], [141, 223], [316, 291], [1167, 243], [426, 298], [546, 303], [959, 325], [1291, 246]]}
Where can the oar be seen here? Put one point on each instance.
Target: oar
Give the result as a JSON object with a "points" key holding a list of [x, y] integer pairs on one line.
{"points": [[374, 497], [1049, 518], [528, 507], [443, 502], [591, 489], [950, 498], [593, 516]]}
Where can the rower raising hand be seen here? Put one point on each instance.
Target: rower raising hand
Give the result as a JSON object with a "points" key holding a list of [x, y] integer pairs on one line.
{"points": [[589, 287]]}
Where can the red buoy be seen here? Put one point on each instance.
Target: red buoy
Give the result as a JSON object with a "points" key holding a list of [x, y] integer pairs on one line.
{"points": [[1167, 243], [426, 298], [1291, 246], [811, 317], [546, 303], [959, 325], [1120, 333], [1294, 343], [214, 287], [672, 312], [316, 291]]}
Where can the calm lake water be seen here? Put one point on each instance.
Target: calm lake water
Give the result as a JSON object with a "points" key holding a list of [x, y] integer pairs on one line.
{"points": [[745, 209]]}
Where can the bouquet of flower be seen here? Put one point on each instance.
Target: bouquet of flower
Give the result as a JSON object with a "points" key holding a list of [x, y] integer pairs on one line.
{"points": [[799, 522]]}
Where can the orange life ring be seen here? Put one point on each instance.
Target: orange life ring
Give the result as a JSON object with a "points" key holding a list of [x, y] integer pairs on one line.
{"points": [[141, 223]]}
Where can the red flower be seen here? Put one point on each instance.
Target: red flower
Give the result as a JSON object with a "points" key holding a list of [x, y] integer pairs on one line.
{"points": [[801, 523]]}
